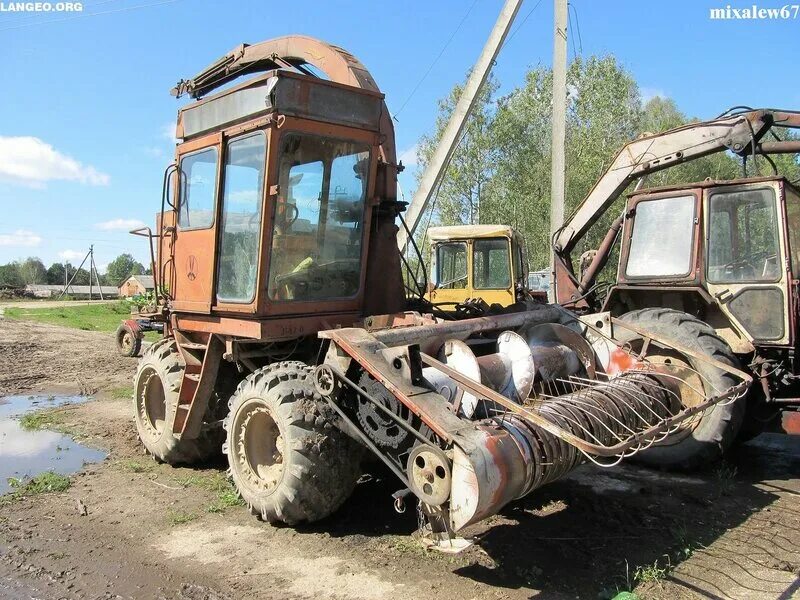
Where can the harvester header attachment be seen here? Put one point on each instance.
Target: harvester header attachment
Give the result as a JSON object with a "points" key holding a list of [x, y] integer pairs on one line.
{"points": [[484, 411]]}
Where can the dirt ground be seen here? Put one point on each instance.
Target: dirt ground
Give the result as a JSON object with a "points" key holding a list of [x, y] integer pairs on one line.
{"points": [[732, 532]]}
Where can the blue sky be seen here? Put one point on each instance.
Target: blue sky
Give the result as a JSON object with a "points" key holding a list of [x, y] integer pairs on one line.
{"points": [[85, 113]]}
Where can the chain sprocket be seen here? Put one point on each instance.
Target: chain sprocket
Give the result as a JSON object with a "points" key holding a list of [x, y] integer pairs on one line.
{"points": [[376, 424]]}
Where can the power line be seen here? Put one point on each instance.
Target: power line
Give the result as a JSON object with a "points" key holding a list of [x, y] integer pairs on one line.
{"points": [[513, 33], [577, 28], [94, 14], [435, 60]]}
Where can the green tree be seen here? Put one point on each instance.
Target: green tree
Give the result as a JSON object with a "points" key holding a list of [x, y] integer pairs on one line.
{"points": [[463, 190], [55, 274], [121, 268], [9, 276], [32, 271]]}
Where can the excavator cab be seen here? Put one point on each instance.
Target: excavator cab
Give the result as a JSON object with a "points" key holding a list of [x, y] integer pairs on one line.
{"points": [[719, 249]]}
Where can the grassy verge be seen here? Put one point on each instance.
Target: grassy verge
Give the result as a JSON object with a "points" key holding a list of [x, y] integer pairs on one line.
{"points": [[88, 317]]}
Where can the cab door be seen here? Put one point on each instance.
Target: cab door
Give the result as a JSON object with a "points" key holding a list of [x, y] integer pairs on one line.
{"points": [[745, 267], [194, 248]]}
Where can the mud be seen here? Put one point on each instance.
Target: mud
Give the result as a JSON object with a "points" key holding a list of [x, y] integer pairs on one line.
{"points": [[731, 532]]}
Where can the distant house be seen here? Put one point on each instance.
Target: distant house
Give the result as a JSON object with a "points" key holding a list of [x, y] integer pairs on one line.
{"points": [[136, 285]]}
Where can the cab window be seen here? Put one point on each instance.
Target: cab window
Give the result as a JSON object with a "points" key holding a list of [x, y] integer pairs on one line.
{"points": [[319, 218], [198, 189], [662, 238], [743, 237], [451, 266], [490, 264]]}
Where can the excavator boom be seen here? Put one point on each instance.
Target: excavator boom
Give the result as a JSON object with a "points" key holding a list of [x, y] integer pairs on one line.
{"points": [[740, 133]]}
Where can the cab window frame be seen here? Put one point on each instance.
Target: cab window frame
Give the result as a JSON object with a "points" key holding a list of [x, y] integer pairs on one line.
{"points": [[183, 187]]}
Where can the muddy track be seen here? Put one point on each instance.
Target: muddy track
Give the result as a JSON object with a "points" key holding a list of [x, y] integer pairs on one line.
{"points": [[728, 533]]}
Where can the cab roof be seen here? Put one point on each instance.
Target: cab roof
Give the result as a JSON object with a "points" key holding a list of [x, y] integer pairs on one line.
{"points": [[460, 232], [707, 184]]}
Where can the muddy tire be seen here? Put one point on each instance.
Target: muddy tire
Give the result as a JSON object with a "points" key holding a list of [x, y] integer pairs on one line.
{"points": [[129, 342], [287, 458], [155, 398], [714, 433]]}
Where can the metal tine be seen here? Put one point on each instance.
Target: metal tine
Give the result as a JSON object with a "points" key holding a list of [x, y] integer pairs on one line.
{"points": [[597, 407], [576, 421]]}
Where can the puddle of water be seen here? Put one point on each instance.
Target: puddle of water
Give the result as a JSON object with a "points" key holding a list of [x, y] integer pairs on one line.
{"points": [[27, 453]]}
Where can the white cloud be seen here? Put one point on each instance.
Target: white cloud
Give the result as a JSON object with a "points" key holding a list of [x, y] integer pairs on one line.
{"points": [[409, 156], [21, 237], [648, 93], [71, 255], [30, 161], [154, 151], [119, 225], [168, 132]]}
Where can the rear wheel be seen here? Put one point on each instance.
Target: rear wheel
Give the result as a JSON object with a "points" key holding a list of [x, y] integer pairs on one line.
{"points": [[287, 458], [129, 342], [704, 439], [155, 397]]}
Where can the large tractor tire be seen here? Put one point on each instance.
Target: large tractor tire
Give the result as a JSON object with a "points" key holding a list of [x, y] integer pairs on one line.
{"points": [[155, 397], [287, 458], [129, 341], [704, 439]]}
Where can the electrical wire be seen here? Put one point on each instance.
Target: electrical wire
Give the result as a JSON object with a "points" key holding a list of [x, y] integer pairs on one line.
{"points": [[435, 60], [513, 33], [577, 27]]}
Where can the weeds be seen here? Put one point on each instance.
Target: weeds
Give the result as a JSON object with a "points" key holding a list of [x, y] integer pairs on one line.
{"points": [[180, 517], [36, 420], [138, 466], [725, 479], [124, 392], [43, 483], [218, 484]]}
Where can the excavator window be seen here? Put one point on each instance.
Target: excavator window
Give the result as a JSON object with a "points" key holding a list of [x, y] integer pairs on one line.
{"points": [[319, 218], [241, 218], [662, 238], [743, 237]]}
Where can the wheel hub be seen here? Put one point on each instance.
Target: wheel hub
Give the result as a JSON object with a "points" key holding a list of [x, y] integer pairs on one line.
{"points": [[152, 403], [260, 448]]}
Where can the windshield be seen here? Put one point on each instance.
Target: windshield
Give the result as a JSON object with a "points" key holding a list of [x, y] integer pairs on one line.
{"points": [[661, 242], [319, 218]]}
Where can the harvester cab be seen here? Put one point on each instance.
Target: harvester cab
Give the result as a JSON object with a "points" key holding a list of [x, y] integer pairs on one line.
{"points": [[288, 343]]}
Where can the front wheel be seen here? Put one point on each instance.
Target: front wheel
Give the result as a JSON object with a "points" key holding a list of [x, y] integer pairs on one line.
{"points": [[702, 440], [155, 397], [129, 341], [288, 459]]}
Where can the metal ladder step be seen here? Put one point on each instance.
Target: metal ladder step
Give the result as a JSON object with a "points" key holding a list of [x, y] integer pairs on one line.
{"points": [[193, 346]]}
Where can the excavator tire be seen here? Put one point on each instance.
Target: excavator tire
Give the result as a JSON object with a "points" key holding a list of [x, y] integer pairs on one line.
{"points": [[129, 342], [288, 459], [718, 427], [155, 398]]}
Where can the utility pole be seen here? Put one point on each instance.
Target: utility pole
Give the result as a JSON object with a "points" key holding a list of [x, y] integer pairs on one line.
{"points": [[559, 126], [455, 126]]}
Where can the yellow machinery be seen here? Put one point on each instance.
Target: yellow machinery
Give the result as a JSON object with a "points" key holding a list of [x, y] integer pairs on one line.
{"points": [[477, 261]]}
